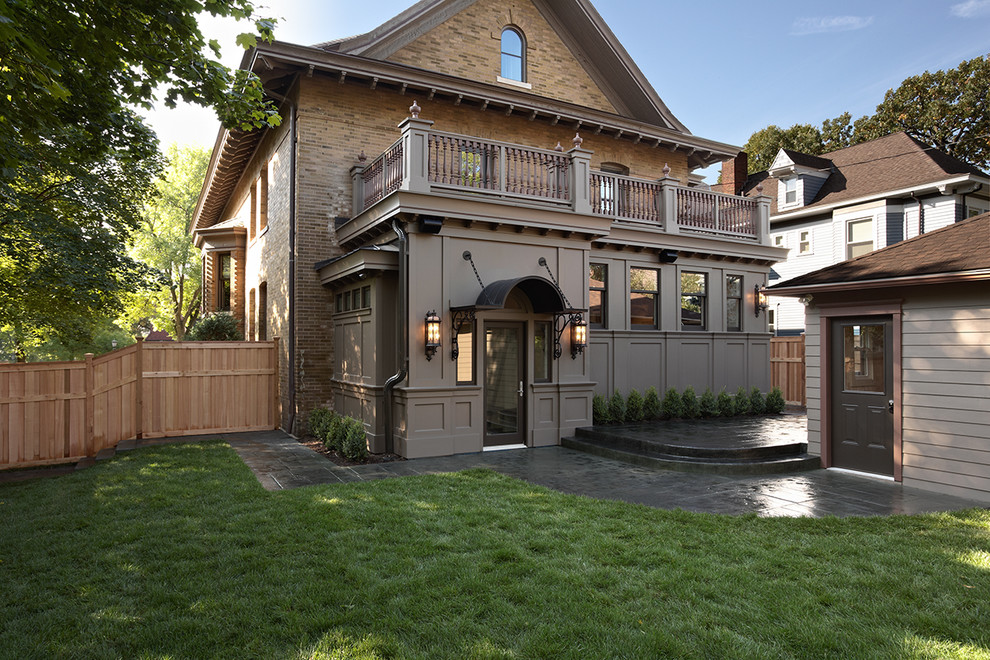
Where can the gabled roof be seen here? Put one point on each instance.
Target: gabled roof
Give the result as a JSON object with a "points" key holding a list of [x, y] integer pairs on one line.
{"points": [[896, 162], [958, 252], [578, 24], [806, 160]]}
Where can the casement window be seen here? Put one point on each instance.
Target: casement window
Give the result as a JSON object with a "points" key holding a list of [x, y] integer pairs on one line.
{"points": [[542, 351], [644, 298], [354, 300], [263, 199], [733, 302], [513, 54], [465, 353], [224, 265], [859, 238], [694, 301], [263, 311], [790, 190], [804, 242], [598, 296]]}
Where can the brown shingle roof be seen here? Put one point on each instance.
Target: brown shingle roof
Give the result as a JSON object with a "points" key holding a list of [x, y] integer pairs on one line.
{"points": [[895, 162], [960, 248]]}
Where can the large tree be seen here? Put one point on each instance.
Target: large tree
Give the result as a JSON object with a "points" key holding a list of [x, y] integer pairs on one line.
{"points": [[946, 109], [76, 163], [162, 242]]}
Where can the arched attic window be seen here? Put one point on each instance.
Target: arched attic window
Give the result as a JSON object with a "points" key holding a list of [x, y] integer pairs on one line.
{"points": [[513, 54]]}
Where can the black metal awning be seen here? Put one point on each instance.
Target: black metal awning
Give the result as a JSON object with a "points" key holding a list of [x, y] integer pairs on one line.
{"points": [[544, 295]]}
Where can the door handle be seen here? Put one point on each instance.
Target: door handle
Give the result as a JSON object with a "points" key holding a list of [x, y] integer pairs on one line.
{"points": [[890, 405], [521, 390]]}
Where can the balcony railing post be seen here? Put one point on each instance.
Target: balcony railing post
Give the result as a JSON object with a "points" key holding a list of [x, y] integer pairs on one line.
{"points": [[357, 186], [668, 204], [415, 154], [762, 220], [580, 179]]}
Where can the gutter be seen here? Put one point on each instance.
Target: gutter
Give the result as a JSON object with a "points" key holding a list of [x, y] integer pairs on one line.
{"points": [[402, 334]]}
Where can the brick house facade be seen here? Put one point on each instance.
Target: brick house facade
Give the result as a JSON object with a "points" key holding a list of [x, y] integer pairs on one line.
{"points": [[403, 151]]}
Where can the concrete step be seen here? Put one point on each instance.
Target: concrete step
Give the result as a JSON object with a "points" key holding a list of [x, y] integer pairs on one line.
{"points": [[719, 460], [730, 450]]}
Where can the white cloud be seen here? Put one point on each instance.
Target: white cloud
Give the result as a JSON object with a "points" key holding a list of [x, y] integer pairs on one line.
{"points": [[822, 24], [971, 9]]}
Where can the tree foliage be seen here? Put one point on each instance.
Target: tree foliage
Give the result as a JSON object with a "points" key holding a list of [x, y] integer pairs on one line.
{"points": [[162, 242], [77, 163], [946, 109]]}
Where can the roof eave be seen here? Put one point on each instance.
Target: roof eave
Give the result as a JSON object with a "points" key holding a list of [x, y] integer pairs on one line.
{"points": [[882, 283]]}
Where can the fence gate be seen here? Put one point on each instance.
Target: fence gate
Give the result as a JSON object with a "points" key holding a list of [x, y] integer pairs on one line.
{"points": [[787, 368]]}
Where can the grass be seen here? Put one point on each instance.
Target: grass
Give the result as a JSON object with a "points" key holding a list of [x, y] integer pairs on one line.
{"points": [[177, 552]]}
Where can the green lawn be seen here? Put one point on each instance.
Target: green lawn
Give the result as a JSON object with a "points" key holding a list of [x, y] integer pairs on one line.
{"points": [[178, 552]]}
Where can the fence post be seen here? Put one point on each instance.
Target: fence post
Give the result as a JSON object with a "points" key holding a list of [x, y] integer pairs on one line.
{"points": [[139, 392], [90, 406], [668, 204], [276, 400]]}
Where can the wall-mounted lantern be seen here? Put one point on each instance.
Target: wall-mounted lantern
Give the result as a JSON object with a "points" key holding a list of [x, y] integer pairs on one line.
{"points": [[760, 296], [579, 336], [432, 334]]}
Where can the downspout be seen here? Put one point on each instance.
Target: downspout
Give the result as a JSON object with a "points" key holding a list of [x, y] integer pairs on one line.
{"points": [[292, 274], [402, 333], [921, 214]]}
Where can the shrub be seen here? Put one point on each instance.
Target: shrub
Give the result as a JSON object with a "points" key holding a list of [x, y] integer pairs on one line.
{"points": [[599, 410], [634, 407], [219, 326], [690, 406], [651, 404], [355, 444], [740, 401], [319, 422], [672, 405], [708, 404], [724, 404], [336, 431], [775, 402], [756, 404], [617, 408]]}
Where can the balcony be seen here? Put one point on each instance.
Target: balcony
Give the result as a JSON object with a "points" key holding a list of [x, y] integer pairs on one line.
{"points": [[432, 162]]}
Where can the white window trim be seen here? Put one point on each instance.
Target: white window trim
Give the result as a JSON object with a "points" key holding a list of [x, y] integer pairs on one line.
{"points": [[514, 83], [811, 244]]}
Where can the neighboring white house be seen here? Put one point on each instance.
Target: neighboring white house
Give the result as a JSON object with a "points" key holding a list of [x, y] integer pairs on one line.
{"points": [[846, 203], [898, 360]]}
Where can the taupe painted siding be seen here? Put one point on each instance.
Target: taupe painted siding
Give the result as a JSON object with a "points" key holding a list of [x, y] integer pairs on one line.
{"points": [[946, 387], [813, 380]]}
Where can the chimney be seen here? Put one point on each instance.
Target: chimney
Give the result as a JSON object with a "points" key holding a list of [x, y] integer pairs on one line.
{"points": [[734, 174]]}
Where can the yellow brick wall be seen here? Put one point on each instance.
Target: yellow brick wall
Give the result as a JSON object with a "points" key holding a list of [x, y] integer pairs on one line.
{"points": [[468, 45]]}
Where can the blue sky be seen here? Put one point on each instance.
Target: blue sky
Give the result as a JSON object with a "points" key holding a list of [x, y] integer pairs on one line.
{"points": [[724, 68]]}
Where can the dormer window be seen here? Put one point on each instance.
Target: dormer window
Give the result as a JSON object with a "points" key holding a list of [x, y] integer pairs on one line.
{"points": [[790, 190], [513, 54]]}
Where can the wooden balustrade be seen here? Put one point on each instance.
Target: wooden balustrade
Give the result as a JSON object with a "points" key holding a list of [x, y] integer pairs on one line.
{"points": [[384, 175], [715, 213], [625, 197]]}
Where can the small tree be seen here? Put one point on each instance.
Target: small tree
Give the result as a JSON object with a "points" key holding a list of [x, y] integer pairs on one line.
{"points": [[634, 406], [599, 410], [219, 326], [756, 404], [319, 422], [775, 401], [740, 402], [708, 404], [355, 445], [672, 405], [651, 404], [724, 404], [691, 408], [617, 408]]}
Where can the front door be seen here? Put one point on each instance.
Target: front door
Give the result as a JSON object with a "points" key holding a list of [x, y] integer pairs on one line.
{"points": [[861, 373], [505, 411]]}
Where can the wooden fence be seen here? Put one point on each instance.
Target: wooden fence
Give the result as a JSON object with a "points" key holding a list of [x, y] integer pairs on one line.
{"points": [[787, 368], [56, 412]]}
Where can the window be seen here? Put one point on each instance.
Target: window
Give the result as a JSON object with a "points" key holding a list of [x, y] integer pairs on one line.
{"points": [[252, 310], [513, 55], [972, 212], [804, 242], [694, 304], [253, 221], [733, 302], [859, 238], [598, 296], [263, 199], [542, 351], [465, 353], [263, 311], [790, 190], [644, 297], [778, 240], [863, 358], [223, 282]]}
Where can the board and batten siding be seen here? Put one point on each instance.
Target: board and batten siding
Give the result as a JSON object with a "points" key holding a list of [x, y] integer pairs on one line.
{"points": [[946, 389]]}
